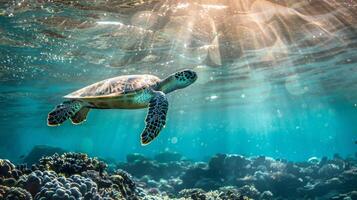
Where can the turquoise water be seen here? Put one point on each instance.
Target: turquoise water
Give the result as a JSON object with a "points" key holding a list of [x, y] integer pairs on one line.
{"points": [[275, 79]]}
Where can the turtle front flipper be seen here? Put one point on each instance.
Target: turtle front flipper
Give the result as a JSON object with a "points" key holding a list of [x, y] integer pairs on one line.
{"points": [[156, 117], [80, 116], [62, 112]]}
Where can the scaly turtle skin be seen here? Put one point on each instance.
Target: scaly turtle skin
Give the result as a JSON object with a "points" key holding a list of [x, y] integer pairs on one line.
{"points": [[124, 92]]}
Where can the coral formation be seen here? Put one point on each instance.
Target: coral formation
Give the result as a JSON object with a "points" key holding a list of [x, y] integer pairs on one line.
{"points": [[70, 163], [254, 177], [14, 193], [169, 176], [67, 176], [164, 165], [8, 173]]}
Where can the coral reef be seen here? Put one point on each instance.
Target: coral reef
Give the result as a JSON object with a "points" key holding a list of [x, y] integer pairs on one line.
{"points": [[8, 173], [70, 163], [164, 165], [225, 193], [68, 176], [74, 187], [258, 177], [14, 193], [169, 176]]}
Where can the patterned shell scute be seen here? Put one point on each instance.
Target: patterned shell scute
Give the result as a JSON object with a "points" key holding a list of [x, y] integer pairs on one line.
{"points": [[115, 86]]}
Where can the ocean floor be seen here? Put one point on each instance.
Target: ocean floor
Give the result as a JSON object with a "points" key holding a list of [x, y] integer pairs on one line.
{"points": [[168, 175]]}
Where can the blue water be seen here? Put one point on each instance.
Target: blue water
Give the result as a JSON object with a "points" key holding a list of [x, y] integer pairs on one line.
{"points": [[275, 79]]}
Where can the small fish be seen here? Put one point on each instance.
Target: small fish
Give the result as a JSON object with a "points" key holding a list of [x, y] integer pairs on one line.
{"points": [[356, 142], [22, 156]]}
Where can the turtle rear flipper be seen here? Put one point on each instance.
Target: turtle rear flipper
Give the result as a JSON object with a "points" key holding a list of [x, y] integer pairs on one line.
{"points": [[80, 116], [62, 112], [156, 118]]}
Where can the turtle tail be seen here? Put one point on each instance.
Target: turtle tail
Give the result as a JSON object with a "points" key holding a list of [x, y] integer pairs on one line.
{"points": [[63, 111]]}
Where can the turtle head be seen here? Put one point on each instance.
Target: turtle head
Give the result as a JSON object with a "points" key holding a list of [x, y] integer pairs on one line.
{"points": [[184, 78], [178, 80]]}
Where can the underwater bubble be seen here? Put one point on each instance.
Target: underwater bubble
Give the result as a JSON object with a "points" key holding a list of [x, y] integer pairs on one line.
{"points": [[212, 98], [295, 86], [174, 140], [280, 115]]}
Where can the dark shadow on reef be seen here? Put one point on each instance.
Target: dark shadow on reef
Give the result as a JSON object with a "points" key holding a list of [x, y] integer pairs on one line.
{"points": [[170, 176], [40, 151]]}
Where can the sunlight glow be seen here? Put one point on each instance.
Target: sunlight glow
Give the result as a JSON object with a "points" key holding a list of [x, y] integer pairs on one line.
{"points": [[213, 6], [110, 23]]}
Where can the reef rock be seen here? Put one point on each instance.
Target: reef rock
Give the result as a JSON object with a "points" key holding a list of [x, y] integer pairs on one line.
{"points": [[313, 160], [74, 187], [141, 166], [167, 156], [8, 173], [14, 193], [329, 170], [136, 157], [40, 151]]}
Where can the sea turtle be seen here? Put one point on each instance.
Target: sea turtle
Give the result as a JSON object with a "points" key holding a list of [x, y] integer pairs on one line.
{"points": [[124, 92]]}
